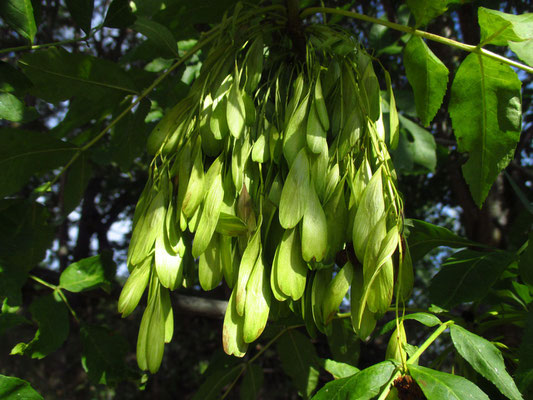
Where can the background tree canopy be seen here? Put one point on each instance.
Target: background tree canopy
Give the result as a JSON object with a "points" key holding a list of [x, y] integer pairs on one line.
{"points": [[84, 83]]}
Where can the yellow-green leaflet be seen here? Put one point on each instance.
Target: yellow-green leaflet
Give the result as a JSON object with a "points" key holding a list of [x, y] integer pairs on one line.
{"points": [[260, 151], [257, 306], [316, 134], [249, 108], [294, 194], [211, 146], [167, 314], [314, 229], [168, 263], [195, 219], [274, 285], [134, 288], [245, 210], [239, 156], [378, 269], [336, 291], [294, 138], [318, 166], [297, 90], [185, 125], [147, 229], [336, 216], [369, 86], [195, 186], [321, 281], [210, 265], [363, 320], [320, 104], [248, 260], [350, 133], [228, 260], [291, 268], [254, 64], [275, 143], [164, 127], [139, 216], [218, 122], [395, 350], [371, 209], [331, 182], [151, 340], [230, 225], [274, 194], [405, 280], [232, 331], [210, 211], [394, 122], [235, 110]]}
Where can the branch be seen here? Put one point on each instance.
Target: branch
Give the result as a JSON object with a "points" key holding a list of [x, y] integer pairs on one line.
{"points": [[426, 35]]}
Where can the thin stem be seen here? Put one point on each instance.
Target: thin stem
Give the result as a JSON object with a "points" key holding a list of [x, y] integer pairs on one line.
{"points": [[63, 297], [58, 290], [44, 46], [429, 341], [228, 390], [43, 282], [417, 32]]}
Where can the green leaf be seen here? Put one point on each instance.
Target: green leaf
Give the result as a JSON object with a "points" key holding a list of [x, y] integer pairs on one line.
{"points": [[343, 344], [524, 373], [129, 136], [485, 111], [440, 385], [51, 315], [526, 262], [58, 75], [252, 382], [485, 358], [212, 386], [10, 320], [81, 12], [25, 237], [299, 360], [524, 50], [12, 388], [467, 276], [424, 237], [26, 153], [418, 143], [338, 369], [12, 109], [18, 14], [12, 80], [119, 15], [89, 273], [425, 10], [103, 354], [77, 179], [428, 77], [426, 319], [364, 385], [498, 28], [158, 35]]}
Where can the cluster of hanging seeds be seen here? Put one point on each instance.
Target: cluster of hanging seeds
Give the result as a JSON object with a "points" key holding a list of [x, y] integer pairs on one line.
{"points": [[274, 175]]}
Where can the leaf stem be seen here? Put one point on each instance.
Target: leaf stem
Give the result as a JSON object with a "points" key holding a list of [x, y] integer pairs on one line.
{"points": [[46, 45], [426, 35], [429, 341], [60, 293]]}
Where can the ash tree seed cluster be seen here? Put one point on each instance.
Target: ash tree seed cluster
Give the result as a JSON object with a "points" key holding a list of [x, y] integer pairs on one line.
{"points": [[274, 173]]}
